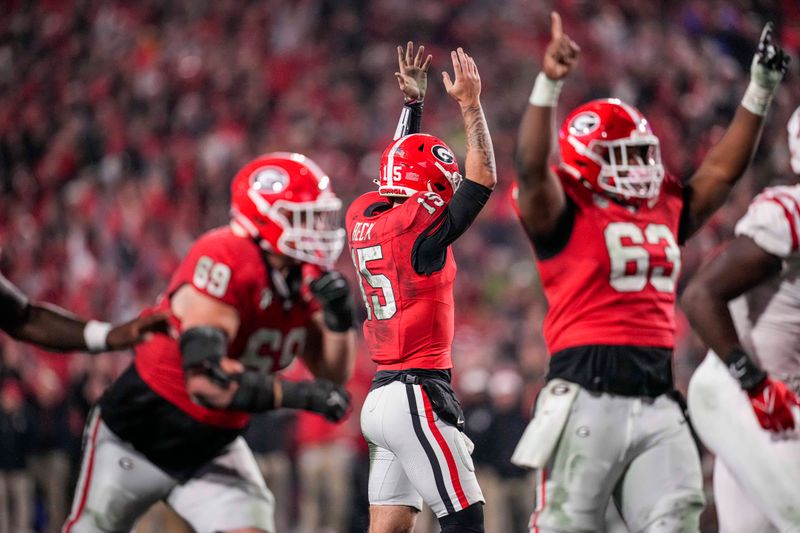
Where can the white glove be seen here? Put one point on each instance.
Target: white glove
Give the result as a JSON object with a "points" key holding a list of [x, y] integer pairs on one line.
{"points": [[766, 72]]}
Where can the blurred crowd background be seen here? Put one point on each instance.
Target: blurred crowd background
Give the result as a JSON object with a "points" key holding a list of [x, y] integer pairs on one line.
{"points": [[122, 123]]}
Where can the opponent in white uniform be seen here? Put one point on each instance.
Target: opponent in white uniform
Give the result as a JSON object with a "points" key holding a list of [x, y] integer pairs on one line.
{"points": [[743, 412]]}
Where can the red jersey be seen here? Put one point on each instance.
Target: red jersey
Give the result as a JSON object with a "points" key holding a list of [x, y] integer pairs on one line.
{"points": [[614, 281], [409, 315], [272, 331]]}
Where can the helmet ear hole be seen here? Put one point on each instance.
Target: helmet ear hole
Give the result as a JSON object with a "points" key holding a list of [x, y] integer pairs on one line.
{"points": [[439, 187]]}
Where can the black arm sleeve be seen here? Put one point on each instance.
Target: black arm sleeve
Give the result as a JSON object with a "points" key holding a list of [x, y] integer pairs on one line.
{"points": [[203, 347], [410, 120], [430, 248], [14, 306]]}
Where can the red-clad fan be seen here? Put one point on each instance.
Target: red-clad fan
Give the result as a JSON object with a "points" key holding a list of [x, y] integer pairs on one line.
{"points": [[606, 224], [247, 299], [400, 239]]}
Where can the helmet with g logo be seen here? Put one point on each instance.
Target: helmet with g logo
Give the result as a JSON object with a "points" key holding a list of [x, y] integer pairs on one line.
{"points": [[609, 145], [418, 163], [285, 202]]}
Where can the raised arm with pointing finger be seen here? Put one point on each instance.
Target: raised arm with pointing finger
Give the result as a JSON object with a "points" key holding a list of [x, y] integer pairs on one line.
{"points": [[606, 224]]}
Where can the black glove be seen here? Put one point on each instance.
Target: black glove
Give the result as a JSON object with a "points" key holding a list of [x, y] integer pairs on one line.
{"points": [[319, 396], [333, 292]]}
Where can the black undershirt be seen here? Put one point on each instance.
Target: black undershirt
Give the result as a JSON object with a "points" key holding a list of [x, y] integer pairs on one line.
{"points": [[14, 306], [430, 249]]}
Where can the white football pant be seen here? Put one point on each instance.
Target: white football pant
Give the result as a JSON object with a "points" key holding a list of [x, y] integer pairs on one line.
{"points": [[635, 452], [756, 477], [117, 485], [415, 456]]}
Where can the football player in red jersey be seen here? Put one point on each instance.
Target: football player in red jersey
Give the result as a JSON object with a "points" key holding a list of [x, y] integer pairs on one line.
{"points": [[52, 328], [400, 240], [606, 224], [246, 299]]}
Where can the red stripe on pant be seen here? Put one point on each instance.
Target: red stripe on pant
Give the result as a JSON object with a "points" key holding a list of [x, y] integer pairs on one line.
{"points": [[87, 480], [448, 455], [540, 501]]}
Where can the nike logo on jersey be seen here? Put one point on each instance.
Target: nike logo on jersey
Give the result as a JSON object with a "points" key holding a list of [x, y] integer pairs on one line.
{"points": [[362, 231]]}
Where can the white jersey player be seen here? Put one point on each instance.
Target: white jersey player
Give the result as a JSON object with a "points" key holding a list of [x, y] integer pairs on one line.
{"points": [[745, 304]]}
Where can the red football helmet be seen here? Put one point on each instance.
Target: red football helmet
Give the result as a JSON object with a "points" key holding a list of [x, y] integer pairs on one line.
{"points": [[609, 144], [418, 163], [285, 202]]}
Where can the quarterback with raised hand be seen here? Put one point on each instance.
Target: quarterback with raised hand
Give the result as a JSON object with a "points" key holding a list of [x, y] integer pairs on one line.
{"points": [[743, 399], [606, 224], [400, 237]]}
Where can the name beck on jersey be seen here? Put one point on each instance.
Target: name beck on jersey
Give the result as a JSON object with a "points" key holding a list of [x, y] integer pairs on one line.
{"points": [[362, 231]]}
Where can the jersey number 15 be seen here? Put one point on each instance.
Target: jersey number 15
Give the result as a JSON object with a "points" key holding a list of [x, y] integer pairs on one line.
{"points": [[379, 282]]}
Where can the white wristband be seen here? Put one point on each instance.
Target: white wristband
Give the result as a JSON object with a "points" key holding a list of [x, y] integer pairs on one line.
{"points": [[545, 91], [756, 99], [95, 334]]}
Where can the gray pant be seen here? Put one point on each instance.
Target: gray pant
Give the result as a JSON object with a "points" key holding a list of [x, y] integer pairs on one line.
{"points": [[117, 485], [50, 471], [634, 451], [16, 502]]}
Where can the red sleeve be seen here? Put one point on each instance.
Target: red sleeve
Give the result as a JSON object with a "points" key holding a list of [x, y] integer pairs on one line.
{"points": [[216, 269], [421, 210]]}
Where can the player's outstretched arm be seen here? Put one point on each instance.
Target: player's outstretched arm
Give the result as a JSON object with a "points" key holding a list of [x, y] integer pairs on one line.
{"points": [[55, 329], [741, 266], [728, 159], [466, 90], [541, 199], [412, 77]]}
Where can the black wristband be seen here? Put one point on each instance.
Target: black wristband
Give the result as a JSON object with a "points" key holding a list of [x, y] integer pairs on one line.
{"points": [[256, 393], [742, 367], [296, 394], [203, 344]]}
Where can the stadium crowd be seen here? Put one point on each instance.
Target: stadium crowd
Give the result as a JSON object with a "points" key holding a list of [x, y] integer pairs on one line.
{"points": [[122, 123]]}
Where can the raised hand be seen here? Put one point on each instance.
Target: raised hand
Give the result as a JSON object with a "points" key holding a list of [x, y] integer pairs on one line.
{"points": [[561, 53], [466, 89], [770, 61], [413, 71], [766, 72]]}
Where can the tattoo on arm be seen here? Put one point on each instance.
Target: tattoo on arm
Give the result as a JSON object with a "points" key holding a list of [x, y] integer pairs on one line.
{"points": [[479, 141]]}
